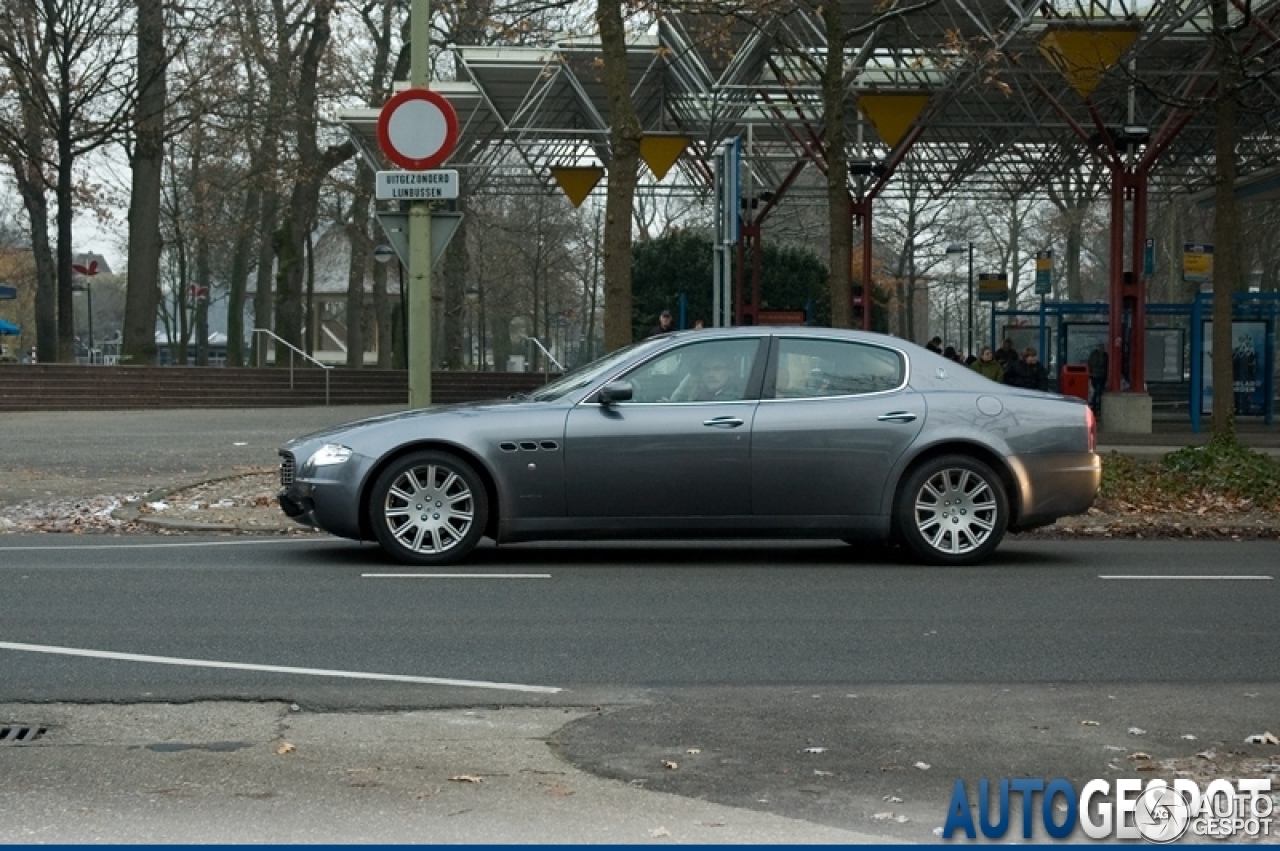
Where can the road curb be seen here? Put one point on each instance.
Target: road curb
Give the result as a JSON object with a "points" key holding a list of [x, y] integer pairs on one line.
{"points": [[131, 512]]}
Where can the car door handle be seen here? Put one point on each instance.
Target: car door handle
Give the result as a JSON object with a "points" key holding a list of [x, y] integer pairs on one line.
{"points": [[897, 417], [723, 422]]}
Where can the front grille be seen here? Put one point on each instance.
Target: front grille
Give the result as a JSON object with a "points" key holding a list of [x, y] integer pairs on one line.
{"points": [[288, 469]]}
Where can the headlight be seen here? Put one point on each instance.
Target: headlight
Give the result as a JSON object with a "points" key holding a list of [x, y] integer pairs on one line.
{"points": [[330, 453]]}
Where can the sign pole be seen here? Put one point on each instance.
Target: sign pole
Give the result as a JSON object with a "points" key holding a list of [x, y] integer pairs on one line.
{"points": [[418, 344]]}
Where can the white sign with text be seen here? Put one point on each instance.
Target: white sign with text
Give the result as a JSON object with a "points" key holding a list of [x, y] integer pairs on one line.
{"points": [[436, 185]]}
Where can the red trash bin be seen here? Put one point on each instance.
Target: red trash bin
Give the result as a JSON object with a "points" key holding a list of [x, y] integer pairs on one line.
{"points": [[1074, 381]]}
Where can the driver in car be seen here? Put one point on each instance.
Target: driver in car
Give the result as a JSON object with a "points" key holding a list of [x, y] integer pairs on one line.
{"points": [[709, 382]]}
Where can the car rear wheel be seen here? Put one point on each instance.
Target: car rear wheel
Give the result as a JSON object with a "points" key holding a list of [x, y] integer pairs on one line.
{"points": [[952, 510], [428, 508]]}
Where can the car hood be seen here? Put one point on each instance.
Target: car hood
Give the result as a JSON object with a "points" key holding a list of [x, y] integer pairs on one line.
{"points": [[459, 409]]}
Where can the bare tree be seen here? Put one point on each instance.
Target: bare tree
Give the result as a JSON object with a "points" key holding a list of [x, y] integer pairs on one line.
{"points": [[624, 163], [377, 22], [66, 91], [834, 74], [915, 227], [142, 294], [1074, 194], [292, 235]]}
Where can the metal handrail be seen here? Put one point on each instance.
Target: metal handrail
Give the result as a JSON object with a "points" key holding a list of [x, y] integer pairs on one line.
{"points": [[546, 371], [262, 357]]}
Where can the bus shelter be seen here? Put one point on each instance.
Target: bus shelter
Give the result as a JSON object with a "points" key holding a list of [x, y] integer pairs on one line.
{"points": [[1177, 341]]}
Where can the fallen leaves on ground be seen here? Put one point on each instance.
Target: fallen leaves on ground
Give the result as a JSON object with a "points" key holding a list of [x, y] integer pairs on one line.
{"points": [[1139, 499]]}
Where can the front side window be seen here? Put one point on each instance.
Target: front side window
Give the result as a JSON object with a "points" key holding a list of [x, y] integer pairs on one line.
{"points": [[809, 369], [711, 371], [584, 375]]}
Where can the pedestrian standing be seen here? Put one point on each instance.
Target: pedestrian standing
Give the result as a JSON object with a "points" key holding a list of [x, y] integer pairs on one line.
{"points": [[664, 324], [1098, 363], [1028, 372], [987, 365]]}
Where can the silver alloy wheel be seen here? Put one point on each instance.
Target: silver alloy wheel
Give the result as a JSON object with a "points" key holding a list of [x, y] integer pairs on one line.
{"points": [[955, 510], [429, 508]]}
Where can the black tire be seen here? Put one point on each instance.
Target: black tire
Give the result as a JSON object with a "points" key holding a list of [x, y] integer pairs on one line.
{"points": [[428, 508], [952, 510]]}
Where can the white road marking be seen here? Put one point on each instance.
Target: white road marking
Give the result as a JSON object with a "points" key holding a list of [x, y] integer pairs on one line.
{"points": [[178, 544], [455, 575], [1170, 576], [273, 669]]}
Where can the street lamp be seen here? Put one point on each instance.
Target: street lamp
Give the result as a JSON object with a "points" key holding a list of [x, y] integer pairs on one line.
{"points": [[959, 248]]}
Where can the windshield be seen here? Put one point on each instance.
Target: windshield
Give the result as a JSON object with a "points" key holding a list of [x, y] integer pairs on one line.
{"points": [[584, 375]]}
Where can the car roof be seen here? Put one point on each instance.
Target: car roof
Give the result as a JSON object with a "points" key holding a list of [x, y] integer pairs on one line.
{"points": [[786, 330]]}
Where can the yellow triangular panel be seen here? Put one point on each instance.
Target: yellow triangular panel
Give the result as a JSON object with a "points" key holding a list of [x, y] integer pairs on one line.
{"points": [[1083, 55], [892, 114], [661, 150], [578, 181]]}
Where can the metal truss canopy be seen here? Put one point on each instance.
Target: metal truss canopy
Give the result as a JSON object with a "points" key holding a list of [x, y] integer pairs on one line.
{"points": [[996, 114]]}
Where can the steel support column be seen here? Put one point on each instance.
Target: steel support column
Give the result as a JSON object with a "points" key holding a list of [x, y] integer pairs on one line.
{"points": [[1127, 288], [748, 284], [1137, 286]]}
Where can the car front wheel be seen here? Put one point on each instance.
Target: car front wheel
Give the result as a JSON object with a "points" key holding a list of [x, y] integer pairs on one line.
{"points": [[428, 508], [952, 510]]}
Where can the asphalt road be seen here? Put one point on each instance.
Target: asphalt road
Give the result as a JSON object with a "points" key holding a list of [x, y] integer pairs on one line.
{"points": [[590, 617], [800, 681], [730, 661]]}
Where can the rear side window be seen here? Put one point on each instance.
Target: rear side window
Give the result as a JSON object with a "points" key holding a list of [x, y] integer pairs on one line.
{"points": [[809, 369]]}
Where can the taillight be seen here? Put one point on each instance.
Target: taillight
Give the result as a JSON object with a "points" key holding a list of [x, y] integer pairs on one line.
{"points": [[1092, 422]]}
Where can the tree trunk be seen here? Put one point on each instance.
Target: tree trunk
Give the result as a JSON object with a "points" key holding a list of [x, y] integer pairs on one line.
{"points": [[1013, 266], [358, 270], [455, 267], [200, 298], [311, 325], [1226, 222], [1075, 244], [383, 305], [839, 202], [142, 298], [278, 82], [178, 250], [624, 145], [30, 182], [300, 215], [65, 188], [263, 297], [239, 275]]}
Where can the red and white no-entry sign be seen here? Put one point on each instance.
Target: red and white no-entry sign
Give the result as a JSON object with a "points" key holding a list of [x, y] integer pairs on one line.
{"points": [[417, 129]]}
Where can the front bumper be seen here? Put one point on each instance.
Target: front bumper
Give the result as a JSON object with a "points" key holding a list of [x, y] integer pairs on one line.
{"points": [[325, 497], [296, 507]]}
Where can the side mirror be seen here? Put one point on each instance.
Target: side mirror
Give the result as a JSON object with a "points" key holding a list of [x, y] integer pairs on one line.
{"points": [[615, 391]]}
